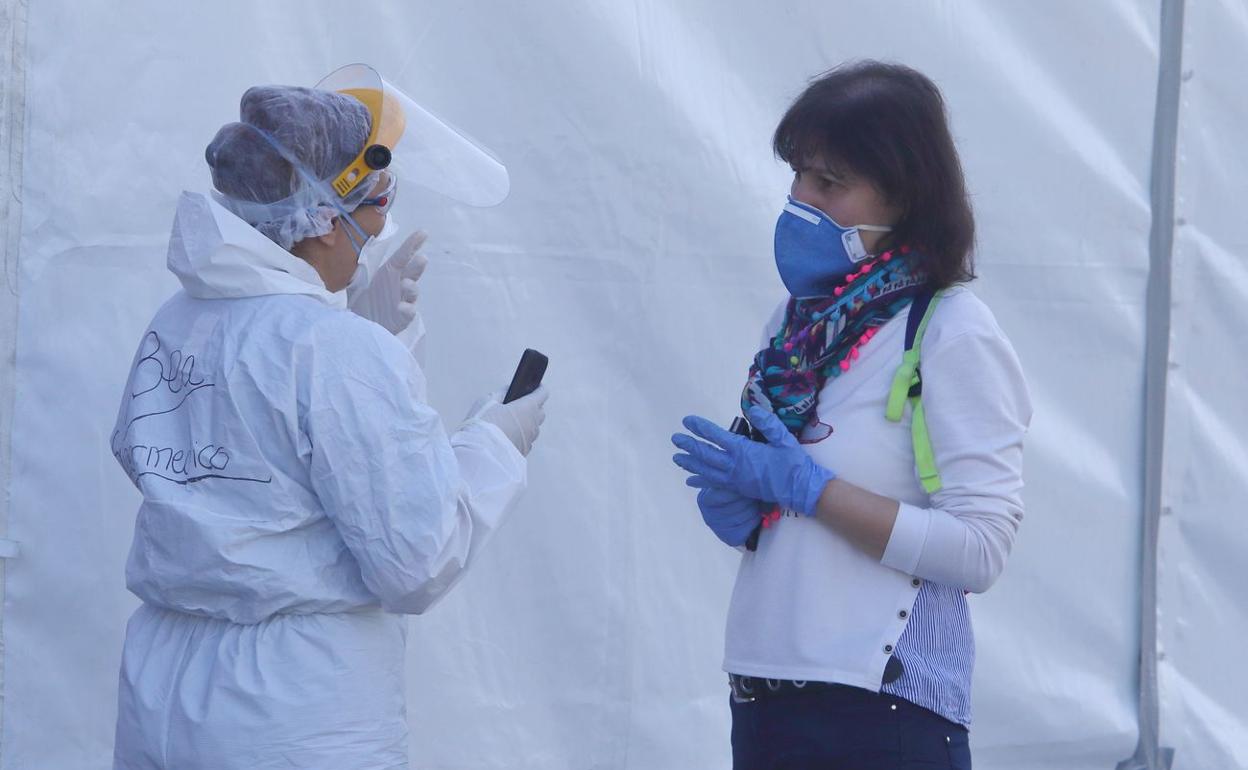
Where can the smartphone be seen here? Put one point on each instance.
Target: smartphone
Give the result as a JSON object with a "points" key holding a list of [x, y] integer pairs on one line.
{"points": [[528, 375]]}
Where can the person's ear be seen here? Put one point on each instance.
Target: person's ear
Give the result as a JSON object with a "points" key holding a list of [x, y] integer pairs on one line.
{"points": [[330, 239]]}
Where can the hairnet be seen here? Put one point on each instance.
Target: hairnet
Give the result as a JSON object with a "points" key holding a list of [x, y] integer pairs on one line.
{"points": [[273, 167]]}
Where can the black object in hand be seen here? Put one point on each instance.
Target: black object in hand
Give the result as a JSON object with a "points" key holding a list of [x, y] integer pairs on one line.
{"points": [[528, 375]]}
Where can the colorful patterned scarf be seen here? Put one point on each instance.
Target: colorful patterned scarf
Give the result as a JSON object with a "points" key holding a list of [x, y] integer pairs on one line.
{"points": [[820, 337]]}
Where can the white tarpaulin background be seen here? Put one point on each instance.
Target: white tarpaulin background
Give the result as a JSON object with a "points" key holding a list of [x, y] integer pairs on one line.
{"points": [[1203, 537], [635, 250]]}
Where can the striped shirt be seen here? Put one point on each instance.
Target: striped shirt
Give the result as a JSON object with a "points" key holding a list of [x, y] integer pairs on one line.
{"points": [[937, 651]]}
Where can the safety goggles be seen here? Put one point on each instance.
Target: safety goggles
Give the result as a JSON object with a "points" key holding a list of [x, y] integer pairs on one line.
{"points": [[385, 199]]}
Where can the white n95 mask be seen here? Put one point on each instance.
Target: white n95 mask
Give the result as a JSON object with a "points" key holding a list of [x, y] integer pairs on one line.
{"points": [[373, 254]]}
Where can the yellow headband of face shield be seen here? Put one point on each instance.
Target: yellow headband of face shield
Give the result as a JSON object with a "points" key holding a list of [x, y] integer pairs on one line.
{"points": [[388, 126], [433, 154]]}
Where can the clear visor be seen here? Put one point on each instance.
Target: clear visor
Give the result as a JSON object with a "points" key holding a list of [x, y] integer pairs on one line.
{"points": [[421, 149]]}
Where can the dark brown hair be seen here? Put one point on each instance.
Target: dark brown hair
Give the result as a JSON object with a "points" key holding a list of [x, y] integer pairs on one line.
{"points": [[887, 123]]}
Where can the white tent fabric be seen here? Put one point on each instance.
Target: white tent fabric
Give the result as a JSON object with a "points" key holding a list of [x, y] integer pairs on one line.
{"points": [[1202, 540], [635, 251]]}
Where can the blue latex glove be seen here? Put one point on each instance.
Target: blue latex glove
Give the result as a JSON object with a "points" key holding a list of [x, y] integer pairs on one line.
{"points": [[779, 471], [729, 515]]}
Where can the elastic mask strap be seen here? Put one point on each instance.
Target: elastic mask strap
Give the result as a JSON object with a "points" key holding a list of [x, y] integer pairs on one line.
{"points": [[358, 246], [875, 228]]}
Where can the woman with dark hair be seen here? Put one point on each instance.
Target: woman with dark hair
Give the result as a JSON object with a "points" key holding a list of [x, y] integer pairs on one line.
{"points": [[864, 524]]}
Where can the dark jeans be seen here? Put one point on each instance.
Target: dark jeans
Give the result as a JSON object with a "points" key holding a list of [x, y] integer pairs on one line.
{"points": [[844, 728]]}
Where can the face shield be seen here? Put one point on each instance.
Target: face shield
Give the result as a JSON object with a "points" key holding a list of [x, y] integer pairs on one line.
{"points": [[414, 144], [301, 158]]}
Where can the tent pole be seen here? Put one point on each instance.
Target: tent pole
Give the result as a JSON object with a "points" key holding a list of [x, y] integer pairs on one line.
{"points": [[1149, 755]]}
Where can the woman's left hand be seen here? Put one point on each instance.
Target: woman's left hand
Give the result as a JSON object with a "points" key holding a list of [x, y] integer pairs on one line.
{"points": [[778, 471], [729, 515]]}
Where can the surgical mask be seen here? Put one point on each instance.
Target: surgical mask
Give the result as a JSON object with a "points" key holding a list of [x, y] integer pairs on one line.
{"points": [[373, 254], [813, 252], [377, 248]]}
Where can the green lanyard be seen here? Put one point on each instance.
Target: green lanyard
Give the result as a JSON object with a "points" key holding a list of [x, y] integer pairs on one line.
{"points": [[908, 386]]}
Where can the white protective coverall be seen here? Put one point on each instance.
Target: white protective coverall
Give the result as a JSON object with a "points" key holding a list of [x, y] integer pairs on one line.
{"points": [[298, 497]]}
